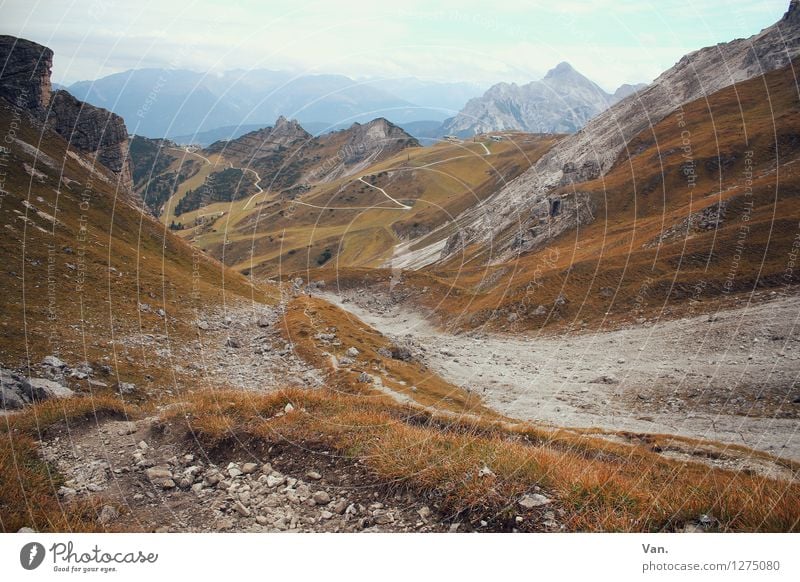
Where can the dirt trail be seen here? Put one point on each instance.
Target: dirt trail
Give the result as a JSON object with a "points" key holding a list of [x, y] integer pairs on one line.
{"points": [[731, 377]]}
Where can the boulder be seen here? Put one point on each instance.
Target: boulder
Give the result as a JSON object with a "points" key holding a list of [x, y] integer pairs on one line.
{"points": [[43, 389]]}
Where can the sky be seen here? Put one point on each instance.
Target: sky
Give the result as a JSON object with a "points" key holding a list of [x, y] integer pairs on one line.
{"points": [[487, 41]]}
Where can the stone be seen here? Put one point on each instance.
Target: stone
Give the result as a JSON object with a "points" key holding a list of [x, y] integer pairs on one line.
{"points": [[340, 507], [67, 492], [54, 362], [401, 353], [485, 472], [212, 479], [321, 498], [159, 475], [43, 389], [365, 378], [241, 509], [382, 518], [26, 530], [232, 342], [261, 520], [108, 514], [14, 390], [424, 512], [249, 468], [125, 387], [288, 408], [275, 480], [534, 500], [352, 352], [313, 475], [539, 311], [203, 325], [126, 429], [263, 321]]}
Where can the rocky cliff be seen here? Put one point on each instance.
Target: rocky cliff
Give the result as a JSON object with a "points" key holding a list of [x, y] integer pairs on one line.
{"points": [[25, 82], [94, 131], [562, 102], [25, 73]]}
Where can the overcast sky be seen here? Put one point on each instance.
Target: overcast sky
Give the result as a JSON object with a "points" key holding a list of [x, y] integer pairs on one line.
{"points": [[610, 41]]}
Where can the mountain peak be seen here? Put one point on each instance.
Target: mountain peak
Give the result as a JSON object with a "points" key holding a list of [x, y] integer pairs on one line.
{"points": [[560, 69]]}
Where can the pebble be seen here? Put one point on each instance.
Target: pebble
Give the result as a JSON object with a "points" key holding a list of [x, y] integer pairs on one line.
{"points": [[321, 498]]}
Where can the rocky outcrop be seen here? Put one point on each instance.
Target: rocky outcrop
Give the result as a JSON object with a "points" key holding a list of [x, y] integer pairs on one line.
{"points": [[17, 391], [25, 82], [25, 73], [378, 138], [94, 131], [562, 102], [592, 151], [284, 135]]}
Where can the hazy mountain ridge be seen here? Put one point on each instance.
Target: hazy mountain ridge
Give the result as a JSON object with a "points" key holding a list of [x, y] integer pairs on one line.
{"points": [[562, 102], [170, 103]]}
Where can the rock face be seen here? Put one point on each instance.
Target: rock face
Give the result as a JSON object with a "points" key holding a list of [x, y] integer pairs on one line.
{"points": [[25, 82], [285, 134], [378, 138], [93, 131], [25, 74], [592, 151], [17, 391], [562, 102]]}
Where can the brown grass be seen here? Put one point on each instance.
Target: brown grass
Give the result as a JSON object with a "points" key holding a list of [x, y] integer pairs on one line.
{"points": [[602, 486], [28, 484], [756, 122]]}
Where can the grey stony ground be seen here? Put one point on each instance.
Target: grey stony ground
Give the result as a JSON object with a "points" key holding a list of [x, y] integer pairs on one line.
{"points": [[731, 377], [150, 477]]}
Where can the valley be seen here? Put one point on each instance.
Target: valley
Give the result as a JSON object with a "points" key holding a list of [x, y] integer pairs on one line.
{"points": [[576, 311]]}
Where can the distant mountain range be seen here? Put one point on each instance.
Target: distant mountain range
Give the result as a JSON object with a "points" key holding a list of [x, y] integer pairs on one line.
{"points": [[193, 107], [562, 102], [179, 103]]}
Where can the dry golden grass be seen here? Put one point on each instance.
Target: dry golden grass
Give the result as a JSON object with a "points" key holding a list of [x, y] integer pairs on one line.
{"points": [[306, 316], [73, 288], [750, 126], [602, 486], [28, 484]]}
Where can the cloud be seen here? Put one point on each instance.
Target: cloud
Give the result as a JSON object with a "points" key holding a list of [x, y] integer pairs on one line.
{"points": [[473, 40]]}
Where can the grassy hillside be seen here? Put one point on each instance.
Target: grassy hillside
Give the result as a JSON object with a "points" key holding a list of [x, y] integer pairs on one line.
{"points": [[700, 208], [81, 261], [353, 218]]}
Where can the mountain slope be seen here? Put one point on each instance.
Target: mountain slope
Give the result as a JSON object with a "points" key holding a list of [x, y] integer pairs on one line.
{"points": [[283, 160], [675, 225], [81, 260], [592, 151]]}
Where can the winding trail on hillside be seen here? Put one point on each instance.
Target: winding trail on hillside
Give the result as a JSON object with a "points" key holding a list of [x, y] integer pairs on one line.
{"points": [[258, 180], [729, 378], [382, 191]]}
